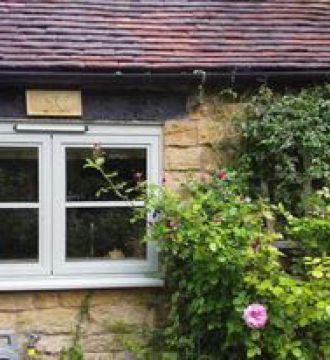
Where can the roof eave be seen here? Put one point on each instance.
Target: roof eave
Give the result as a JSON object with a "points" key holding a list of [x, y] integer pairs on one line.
{"points": [[166, 80]]}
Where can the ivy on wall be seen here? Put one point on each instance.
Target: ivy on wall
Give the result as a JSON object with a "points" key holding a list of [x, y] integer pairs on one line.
{"points": [[286, 143]]}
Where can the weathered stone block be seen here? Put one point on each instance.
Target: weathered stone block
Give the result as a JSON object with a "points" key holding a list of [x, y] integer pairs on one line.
{"points": [[209, 159], [16, 301], [53, 344], [48, 321], [116, 297], [93, 328], [207, 132], [71, 298], [105, 315], [7, 320], [175, 179], [177, 158], [45, 300], [180, 133], [104, 343]]}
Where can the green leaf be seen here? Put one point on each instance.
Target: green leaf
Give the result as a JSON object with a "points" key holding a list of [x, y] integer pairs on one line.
{"points": [[297, 353], [255, 335], [251, 353], [327, 310], [277, 291], [318, 274], [213, 247], [100, 161]]}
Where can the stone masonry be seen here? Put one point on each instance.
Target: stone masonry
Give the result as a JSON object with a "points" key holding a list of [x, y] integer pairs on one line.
{"points": [[54, 315], [188, 149]]}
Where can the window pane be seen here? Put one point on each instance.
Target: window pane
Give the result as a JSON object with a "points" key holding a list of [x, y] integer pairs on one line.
{"points": [[82, 184], [103, 233], [18, 235], [18, 174]]}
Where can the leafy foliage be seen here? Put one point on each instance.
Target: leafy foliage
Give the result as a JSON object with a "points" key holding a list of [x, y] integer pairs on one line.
{"points": [[75, 351], [218, 246], [311, 233], [219, 257], [287, 143]]}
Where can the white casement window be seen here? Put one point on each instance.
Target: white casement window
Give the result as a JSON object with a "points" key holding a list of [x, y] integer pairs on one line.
{"points": [[54, 231]]}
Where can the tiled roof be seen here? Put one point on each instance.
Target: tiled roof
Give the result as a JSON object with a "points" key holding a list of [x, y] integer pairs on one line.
{"points": [[159, 35]]}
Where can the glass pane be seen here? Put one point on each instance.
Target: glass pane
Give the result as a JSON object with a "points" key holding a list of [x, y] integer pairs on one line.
{"points": [[18, 235], [83, 184], [103, 233], [18, 174]]}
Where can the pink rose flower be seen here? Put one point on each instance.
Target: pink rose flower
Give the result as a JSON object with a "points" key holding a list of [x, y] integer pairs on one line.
{"points": [[222, 175], [255, 316], [96, 150], [172, 225]]}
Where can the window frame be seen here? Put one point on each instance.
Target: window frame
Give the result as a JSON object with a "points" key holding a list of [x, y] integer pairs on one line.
{"points": [[52, 271], [41, 267], [128, 266]]}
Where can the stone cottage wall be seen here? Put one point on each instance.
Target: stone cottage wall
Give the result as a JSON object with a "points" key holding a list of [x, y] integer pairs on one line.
{"points": [[191, 144], [188, 151], [54, 315]]}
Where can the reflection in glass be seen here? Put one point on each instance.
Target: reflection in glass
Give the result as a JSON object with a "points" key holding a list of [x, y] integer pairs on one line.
{"points": [[83, 184], [18, 234], [18, 174], [103, 233]]}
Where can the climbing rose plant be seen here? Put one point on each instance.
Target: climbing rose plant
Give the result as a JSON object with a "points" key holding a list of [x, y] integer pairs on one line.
{"points": [[230, 297], [232, 294]]}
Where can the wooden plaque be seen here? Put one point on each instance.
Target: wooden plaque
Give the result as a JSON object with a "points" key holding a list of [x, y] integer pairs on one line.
{"points": [[53, 103]]}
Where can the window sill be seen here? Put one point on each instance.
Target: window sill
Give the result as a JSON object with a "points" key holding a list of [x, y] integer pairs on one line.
{"points": [[71, 283]]}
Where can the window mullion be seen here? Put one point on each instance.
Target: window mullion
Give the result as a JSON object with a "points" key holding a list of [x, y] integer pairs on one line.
{"points": [[45, 199], [22, 205], [106, 204], [58, 204]]}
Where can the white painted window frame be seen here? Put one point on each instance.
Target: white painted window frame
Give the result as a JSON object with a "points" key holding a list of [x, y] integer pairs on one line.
{"points": [[21, 268], [52, 271], [60, 143]]}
